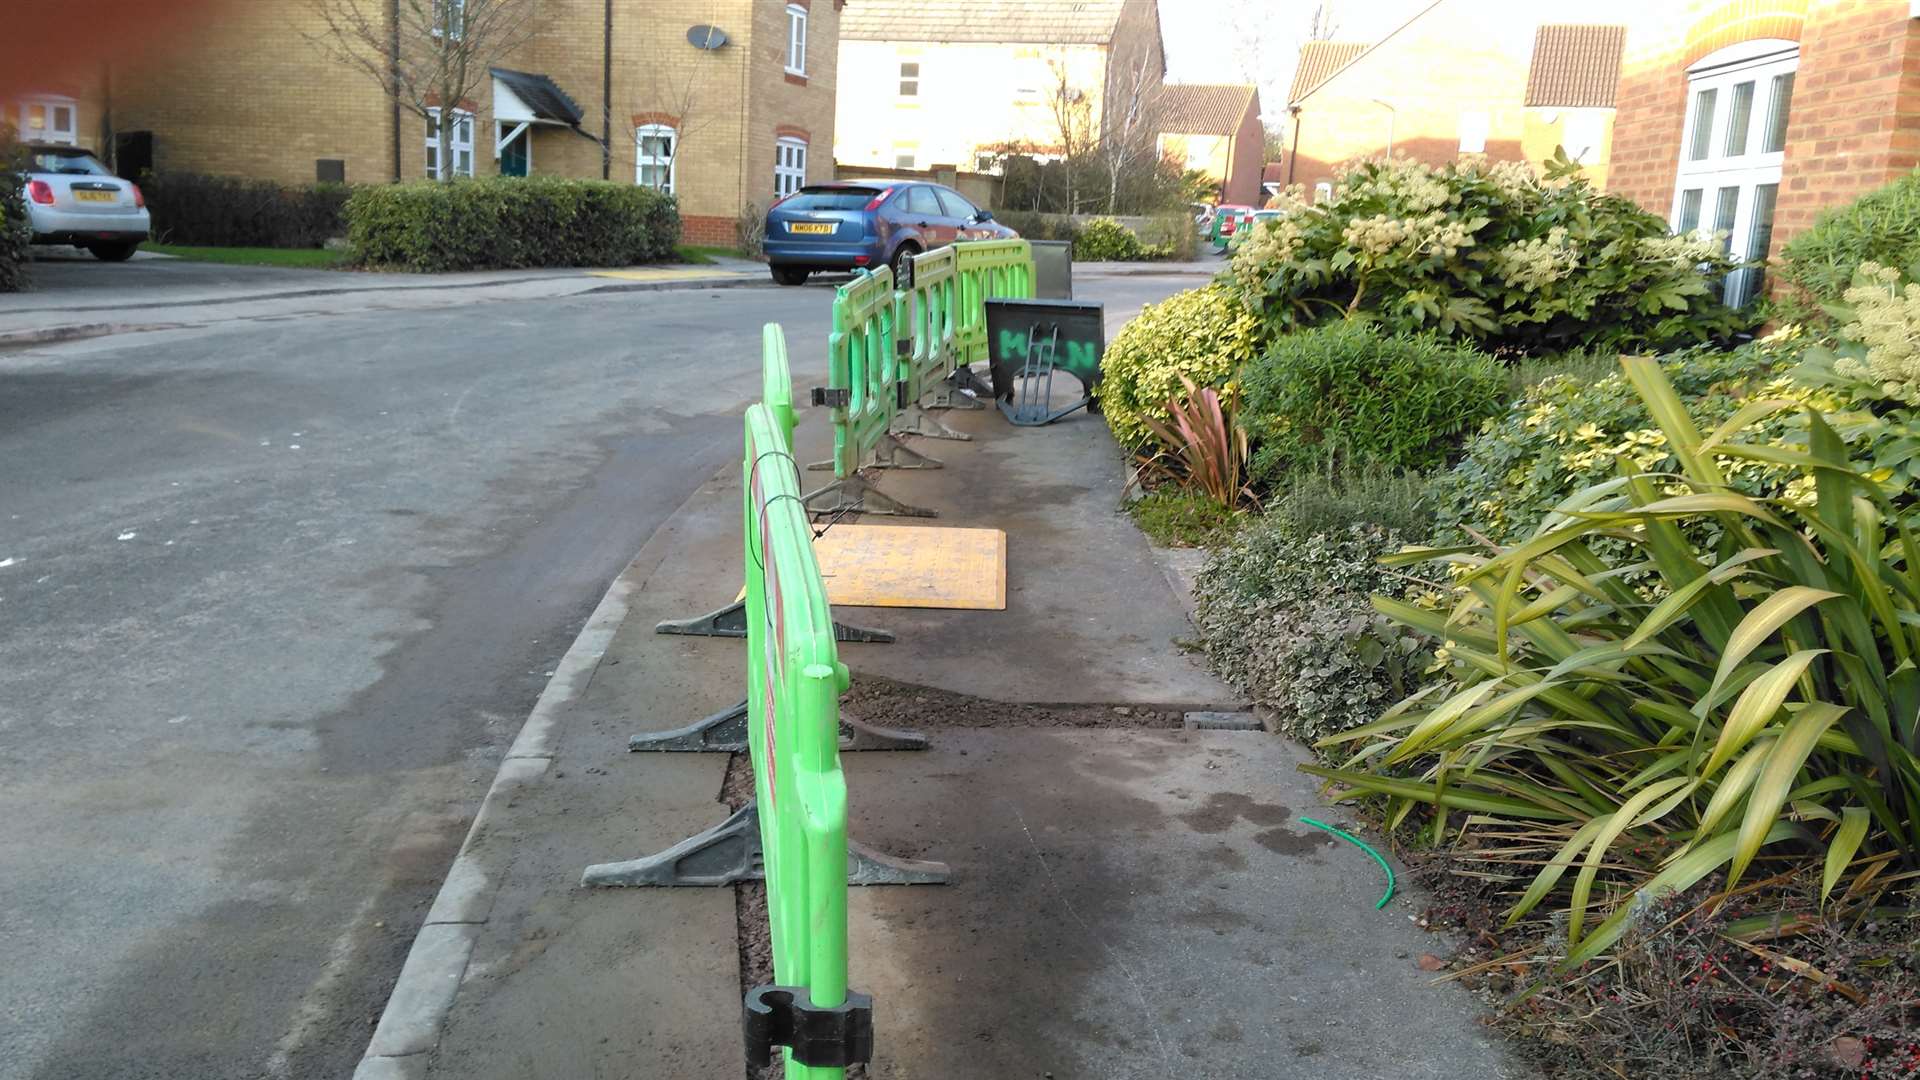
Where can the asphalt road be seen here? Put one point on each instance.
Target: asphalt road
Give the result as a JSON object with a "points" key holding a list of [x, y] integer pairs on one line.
{"points": [[274, 597]]}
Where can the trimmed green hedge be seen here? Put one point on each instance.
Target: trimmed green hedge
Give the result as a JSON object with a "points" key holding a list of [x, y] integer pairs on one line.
{"points": [[509, 223], [15, 234], [227, 211]]}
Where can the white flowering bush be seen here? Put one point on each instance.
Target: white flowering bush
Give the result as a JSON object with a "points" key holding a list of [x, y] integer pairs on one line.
{"points": [[1489, 251]]}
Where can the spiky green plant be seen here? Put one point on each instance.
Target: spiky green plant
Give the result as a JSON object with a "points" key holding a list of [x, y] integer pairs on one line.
{"points": [[1644, 721]]}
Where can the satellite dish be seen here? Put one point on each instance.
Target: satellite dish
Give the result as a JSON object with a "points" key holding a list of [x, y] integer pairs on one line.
{"points": [[706, 37]]}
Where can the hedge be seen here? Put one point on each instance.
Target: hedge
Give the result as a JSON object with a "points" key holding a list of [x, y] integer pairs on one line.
{"points": [[510, 223], [15, 234], [1882, 226], [227, 211]]}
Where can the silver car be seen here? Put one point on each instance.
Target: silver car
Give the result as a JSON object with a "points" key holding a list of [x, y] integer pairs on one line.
{"points": [[73, 199]]}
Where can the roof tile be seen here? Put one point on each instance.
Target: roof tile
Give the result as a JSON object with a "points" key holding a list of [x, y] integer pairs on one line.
{"points": [[1052, 22], [1575, 67], [1203, 110], [1320, 61]]}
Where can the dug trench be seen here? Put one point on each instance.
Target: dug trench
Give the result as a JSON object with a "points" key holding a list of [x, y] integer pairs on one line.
{"points": [[1028, 931]]}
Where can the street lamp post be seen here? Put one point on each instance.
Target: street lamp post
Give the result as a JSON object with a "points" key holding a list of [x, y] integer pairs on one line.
{"points": [[1392, 115]]}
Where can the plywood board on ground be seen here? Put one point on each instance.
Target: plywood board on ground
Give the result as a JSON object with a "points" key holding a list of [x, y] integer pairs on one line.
{"points": [[914, 566]]}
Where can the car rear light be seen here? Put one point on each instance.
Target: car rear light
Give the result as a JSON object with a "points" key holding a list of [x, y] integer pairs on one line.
{"points": [[862, 260], [874, 203], [40, 191], [139, 197], [1227, 225]]}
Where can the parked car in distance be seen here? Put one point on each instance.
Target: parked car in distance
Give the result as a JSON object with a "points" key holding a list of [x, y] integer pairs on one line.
{"points": [[73, 199], [858, 224], [1226, 221], [1202, 217], [1240, 234]]}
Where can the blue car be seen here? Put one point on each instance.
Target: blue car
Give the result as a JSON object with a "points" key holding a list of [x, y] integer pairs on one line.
{"points": [[857, 224]]}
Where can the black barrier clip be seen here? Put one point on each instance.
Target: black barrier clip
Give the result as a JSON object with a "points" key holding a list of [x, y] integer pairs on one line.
{"points": [[902, 394], [833, 397], [827, 1038]]}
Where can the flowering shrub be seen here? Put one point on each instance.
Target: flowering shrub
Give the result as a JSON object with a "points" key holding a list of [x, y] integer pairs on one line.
{"points": [[1344, 392], [1286, 619], [1564, 436], [1885, 323], [1202, 334], [1485, 251]]}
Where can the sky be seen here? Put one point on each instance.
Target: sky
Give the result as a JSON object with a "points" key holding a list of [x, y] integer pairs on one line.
{"points": [[1211, 41]]}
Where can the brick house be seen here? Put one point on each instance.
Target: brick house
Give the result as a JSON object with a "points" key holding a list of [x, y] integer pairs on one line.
{"points": [[1216, 130], [249, 93], [1750, 116], [947, 82], [1460, 77]]}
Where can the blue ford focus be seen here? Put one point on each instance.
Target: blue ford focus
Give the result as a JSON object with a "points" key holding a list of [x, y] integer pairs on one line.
{"points": [[858, 224]]}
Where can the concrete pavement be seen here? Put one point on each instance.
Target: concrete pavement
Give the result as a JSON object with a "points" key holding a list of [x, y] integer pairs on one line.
{"points": [[1133, 901]]}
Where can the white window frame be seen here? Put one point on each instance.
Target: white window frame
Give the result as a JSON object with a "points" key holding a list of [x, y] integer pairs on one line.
{"points": [[789, 165], [1761, 63], [450, 19], [49, 103], [796, 40], [643, 160], [1475, 124], [462, 143]]}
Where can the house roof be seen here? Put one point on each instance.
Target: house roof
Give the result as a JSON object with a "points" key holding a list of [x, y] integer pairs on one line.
{"points": [[1203, 110], [1320, 61], [542, 95], [1052, 22], [1575, 67]]}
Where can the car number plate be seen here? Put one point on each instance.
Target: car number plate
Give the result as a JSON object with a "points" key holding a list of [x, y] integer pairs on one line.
{"points": [[96, 196], [809, 227]]}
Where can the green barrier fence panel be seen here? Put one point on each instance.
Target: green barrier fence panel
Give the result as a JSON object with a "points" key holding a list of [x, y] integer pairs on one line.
{"points": [[996, 269], [776, 380], [863, 368], [794, 682], [926, 321]]}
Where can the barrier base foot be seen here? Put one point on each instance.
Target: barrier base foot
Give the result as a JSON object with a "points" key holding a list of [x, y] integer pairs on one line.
{"points": [[856, 495], [731, 621], [950, 397], [730, 853], [914, 420], [725, 732], [965, 379], [894, 454]]}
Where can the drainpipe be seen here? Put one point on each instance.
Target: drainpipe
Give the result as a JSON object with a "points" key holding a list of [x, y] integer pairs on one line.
{"points": [[393, 73], [606, 99], [1293, 156]]}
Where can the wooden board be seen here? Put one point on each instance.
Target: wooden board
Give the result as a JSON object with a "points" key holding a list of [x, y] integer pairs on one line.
{"points": [[914, 566]]}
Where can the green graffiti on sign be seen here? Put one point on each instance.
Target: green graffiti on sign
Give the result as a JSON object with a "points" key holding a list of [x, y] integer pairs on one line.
{"points": [[1075, 353]]}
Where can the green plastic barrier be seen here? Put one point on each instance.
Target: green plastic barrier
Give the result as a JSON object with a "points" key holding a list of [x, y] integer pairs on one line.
{"points": [[997, 269], [794, 682], [926, 320], [776, 380], [863, 368]]}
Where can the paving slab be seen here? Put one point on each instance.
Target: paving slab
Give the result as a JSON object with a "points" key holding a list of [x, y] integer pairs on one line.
{"points": [[1138, 904]]}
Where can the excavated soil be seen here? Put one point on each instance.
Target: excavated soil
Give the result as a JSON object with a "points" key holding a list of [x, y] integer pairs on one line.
{"points": [[884, 702]]}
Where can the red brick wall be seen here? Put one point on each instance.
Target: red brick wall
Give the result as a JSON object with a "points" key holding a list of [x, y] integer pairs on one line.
{"points": [[1855, 122], [1246, 158], [706, 230]]}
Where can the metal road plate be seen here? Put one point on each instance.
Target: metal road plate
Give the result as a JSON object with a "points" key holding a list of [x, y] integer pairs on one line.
{"points": [[914, 566]]}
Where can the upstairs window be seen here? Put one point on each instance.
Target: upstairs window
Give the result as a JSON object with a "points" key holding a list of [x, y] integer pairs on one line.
{"points": [[654, 148], [1736, 132], [450, 19], [49, 120], [459, 157], [796, 39], [1473, 131], [909, 80]]}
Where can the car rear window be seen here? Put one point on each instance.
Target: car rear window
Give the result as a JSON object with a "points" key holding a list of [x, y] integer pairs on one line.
{"points": [[52, 161], [833, 198]]}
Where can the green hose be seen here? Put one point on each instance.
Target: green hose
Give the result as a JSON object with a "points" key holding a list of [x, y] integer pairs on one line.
{"points": [[1363, 846]]}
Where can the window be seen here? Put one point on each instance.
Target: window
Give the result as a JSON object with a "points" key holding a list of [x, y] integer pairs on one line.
{"points": [[49, 120], [1729, 176], [796, 39], [789, 166], [1473, 132], [909, 80], [460, 159], [921, 200], [1581, 134], [956, 206], [1322, 192], [450, 18], [653, 153], [905, 154]]}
